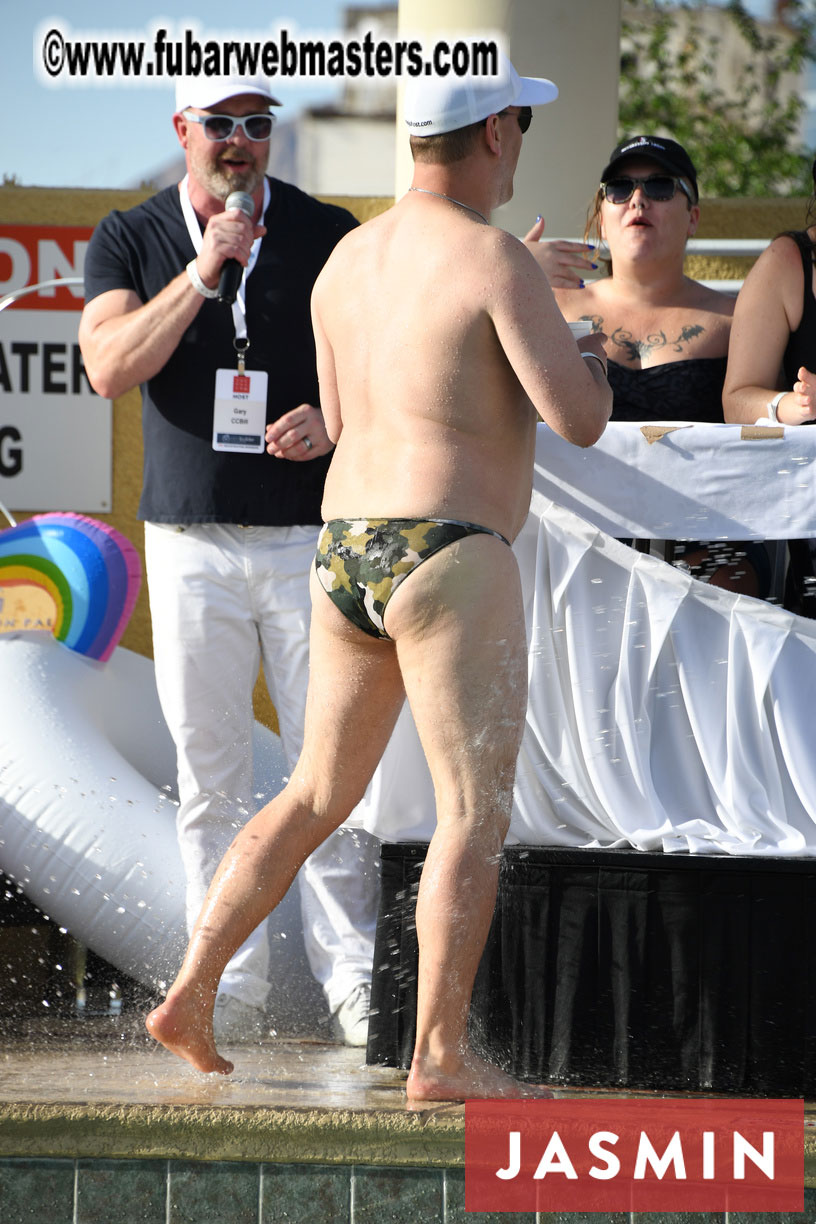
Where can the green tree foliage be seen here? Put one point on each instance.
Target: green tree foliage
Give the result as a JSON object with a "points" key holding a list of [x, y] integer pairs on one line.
{"points": [[743, 132]]}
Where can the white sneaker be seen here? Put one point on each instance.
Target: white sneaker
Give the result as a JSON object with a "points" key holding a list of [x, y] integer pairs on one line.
{"points": [[236, 1022], [350, 1021]]}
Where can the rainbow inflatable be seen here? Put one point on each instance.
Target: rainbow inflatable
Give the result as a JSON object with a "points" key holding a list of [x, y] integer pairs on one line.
{"points": [[88, 767], [70, 575]]}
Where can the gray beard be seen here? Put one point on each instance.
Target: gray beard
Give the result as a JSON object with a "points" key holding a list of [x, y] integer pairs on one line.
{"points": [[219, 185]]}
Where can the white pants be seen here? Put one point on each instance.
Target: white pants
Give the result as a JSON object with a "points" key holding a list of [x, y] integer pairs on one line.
{"points": [[223, 598]]}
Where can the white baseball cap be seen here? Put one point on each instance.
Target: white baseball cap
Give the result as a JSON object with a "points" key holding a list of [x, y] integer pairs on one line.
{"points": [[433, 105], [202, 92]]}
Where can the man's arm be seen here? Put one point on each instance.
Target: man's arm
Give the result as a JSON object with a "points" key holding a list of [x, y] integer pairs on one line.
{"points": [[569, 393], [125, 341], [326, 371]]}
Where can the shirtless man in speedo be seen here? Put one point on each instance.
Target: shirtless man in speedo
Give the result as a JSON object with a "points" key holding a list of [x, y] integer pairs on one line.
{"points": [[438, 342]]}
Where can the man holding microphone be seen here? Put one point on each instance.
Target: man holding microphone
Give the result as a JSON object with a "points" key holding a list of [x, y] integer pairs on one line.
{"points": [[230, 529]]}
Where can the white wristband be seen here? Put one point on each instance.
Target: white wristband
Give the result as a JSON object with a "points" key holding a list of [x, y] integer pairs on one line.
{"points": [[774, 405], [197, 282], [595, 357]]}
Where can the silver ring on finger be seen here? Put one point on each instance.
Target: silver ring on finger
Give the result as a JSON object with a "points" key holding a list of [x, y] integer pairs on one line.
{"points": [[307, 441]]}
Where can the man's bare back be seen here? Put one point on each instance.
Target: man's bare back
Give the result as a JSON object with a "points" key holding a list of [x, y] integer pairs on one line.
{"points": [[417, 317]]}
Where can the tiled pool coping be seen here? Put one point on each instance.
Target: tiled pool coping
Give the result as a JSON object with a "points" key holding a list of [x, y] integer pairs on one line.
{"points": [[97, 1126], [190, 1132]]}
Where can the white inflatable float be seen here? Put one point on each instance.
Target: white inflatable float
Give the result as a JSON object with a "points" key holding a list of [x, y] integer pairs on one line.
{"points": [[87, 765]]}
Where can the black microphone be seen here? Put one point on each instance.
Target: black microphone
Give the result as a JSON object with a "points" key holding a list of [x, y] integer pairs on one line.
{"points": [[231, 271]]}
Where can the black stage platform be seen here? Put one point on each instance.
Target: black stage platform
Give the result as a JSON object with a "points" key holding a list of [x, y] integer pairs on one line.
{"points": [[622, 968]]}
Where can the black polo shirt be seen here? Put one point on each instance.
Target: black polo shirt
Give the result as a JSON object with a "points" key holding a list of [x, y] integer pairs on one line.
{"points": [[185, 480]]}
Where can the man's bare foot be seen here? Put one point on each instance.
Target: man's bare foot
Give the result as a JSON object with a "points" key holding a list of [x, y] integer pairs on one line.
{"points": [[180, 1026], [474, 1078]]}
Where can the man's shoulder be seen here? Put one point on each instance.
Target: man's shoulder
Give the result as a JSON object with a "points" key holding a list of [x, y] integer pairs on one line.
{"points": [[126, 243], [158, 208], [506, 255], [299, 204]]}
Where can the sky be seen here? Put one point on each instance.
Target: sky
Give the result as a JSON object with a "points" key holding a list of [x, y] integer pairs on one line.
{"points": [[117, 136]]}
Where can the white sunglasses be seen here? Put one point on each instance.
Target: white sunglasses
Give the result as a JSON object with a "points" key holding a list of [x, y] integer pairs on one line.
{"points": [[221, 127]]}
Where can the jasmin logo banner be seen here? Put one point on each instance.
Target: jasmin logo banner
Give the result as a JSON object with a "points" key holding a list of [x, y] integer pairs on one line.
{"points": [[634, 1155]]}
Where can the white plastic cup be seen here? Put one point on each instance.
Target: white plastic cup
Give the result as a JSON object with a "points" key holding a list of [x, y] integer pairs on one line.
{"points": [[583, 327]]}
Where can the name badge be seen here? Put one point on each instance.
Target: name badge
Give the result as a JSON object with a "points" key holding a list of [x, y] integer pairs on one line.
{"points": [[239, 416]]}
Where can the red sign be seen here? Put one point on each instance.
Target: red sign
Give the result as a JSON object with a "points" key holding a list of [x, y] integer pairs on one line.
{"points": [[30, 254], [634, 1155], [240, 384]]}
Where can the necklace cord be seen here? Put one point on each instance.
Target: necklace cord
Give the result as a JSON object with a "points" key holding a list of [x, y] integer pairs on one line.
{"points": [[441, 196]]}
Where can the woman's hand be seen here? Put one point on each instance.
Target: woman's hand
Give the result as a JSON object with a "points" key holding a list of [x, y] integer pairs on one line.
{"points": [[564, 263], [800, 403]]}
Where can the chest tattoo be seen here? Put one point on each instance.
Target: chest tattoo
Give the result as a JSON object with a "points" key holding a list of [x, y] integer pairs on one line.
{"points": [[634, 349]]}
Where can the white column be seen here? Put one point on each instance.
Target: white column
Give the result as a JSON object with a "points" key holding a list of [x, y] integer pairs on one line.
{"points": [[576, 43]]}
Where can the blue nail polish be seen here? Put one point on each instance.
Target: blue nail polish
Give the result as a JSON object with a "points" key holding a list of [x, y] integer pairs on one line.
{"points": [[591, 246], [594, 265], [538, 218], [581, 285]]}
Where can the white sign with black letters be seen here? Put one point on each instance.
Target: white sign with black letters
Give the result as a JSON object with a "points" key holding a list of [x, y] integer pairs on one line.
{"points": [[56, 434]]}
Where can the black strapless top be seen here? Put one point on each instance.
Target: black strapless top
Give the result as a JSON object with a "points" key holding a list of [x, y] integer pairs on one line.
{"points": [[801, 347], [675, 391]]}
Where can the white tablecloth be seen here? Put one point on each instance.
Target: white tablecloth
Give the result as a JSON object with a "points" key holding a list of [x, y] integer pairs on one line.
{"points": [[664, 714], [696, 482]]}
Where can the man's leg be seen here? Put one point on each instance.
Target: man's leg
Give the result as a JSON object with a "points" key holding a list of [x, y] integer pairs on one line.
{"points": [[459, 629], [355, 694], [339, 882], [207, 656]]}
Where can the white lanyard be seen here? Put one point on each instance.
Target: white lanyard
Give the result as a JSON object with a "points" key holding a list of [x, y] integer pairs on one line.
{"points": [[194, 230]]}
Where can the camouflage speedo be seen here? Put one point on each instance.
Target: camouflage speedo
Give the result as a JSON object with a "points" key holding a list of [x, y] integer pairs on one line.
{"points": [[361, 562]]}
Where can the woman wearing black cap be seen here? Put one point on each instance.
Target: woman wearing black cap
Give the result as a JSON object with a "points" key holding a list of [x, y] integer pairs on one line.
{"points": [[772, 358], [667, 335]]}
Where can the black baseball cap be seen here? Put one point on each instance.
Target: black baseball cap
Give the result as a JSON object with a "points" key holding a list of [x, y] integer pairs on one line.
{"points": [[667, 153]]}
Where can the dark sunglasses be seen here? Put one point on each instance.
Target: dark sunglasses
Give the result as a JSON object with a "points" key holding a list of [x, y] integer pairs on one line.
{"points": [[660, 187], [221, 127], [524, 116]]}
